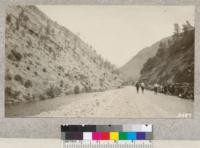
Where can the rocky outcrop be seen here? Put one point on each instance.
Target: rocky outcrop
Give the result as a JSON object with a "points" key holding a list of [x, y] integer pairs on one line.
{"points": [[45, 60]]}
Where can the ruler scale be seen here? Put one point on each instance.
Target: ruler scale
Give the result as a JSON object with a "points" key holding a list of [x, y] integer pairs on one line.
{"points": [[106, 136]]}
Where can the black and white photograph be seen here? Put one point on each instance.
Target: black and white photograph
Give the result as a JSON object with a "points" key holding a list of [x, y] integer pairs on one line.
{"points": [[99, 61]]}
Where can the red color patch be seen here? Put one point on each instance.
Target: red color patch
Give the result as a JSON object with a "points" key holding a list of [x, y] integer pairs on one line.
{"points": [[105, 136]]}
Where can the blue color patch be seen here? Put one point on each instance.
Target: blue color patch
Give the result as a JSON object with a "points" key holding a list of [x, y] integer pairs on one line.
{"points": [[131, 136]]}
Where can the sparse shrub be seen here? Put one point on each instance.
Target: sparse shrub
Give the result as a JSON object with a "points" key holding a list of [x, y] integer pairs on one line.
{"points": [[28, 68], [35, 73], [61, 68], [28, 84], [17, 56], [76, 89], [8, 77], [42, 97], [15, 94], [19, 78], [8, 91], [53, 92], [14, 56], [88, 89], [8, 19], [11, 57], [31, 31], [66, 75], [25, 18], [44, 70], [11, 93]]}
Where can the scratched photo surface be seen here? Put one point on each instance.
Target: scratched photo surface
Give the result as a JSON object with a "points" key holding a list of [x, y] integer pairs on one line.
{"points": [[96, 61]]}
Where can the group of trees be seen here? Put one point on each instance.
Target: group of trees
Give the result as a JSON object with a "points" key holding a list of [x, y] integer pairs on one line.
{"points": [[178, 34], [185, 28]]}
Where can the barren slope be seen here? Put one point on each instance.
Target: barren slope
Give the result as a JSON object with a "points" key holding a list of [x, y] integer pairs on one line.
{"points": [[45, 60]]}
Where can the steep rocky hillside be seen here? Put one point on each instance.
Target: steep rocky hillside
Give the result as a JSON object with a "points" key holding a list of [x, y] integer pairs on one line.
{"points": [[45, 60], [131, 70], [173, 63]]}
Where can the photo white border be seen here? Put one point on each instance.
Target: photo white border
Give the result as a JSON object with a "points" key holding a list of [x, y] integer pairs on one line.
{"points": [[50, 127]]}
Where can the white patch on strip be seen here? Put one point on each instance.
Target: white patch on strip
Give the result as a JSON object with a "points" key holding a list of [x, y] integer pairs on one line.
{"points": [[87, 136], [147, 128], [137, 128]]}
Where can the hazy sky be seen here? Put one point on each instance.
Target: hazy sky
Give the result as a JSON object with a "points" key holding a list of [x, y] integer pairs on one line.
{"points": [[119, 32]]}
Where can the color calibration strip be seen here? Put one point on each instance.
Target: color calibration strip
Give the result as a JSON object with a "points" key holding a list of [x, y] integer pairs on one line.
{"points": [[106, 132]]}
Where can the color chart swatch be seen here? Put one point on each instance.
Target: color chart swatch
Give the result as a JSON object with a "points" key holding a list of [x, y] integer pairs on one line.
{"points": [[106, 132]]}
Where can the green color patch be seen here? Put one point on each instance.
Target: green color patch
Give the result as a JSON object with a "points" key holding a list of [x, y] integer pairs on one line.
{"points": [[123, 135]]}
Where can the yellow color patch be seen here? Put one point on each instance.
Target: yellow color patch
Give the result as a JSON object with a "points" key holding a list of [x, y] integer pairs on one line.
{"points": [[114, 136]]}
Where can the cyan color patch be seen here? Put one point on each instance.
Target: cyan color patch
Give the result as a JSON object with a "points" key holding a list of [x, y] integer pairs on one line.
{"points": [[131, 136]]}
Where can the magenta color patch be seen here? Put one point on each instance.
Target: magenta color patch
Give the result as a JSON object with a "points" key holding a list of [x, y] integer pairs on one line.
{"points": [[96, 136]]}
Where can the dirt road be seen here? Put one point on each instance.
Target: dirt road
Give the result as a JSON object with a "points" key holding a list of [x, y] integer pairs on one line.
{"points": [[118, 103]]}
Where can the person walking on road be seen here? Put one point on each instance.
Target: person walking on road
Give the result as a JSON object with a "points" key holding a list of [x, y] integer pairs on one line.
{"points": [[155, 88], [137, 86], [142, 87]]}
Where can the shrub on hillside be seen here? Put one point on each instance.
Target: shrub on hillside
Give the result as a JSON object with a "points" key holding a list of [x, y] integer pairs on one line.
{"points": [[11, 57], [66, 74], [8, 18], [11, 93], [76, 89], [8, 77], [16, 56], [8, 91], [53, 92], [19, 79], [61, 68], [42, 97], [28, 84], [44, 70]]}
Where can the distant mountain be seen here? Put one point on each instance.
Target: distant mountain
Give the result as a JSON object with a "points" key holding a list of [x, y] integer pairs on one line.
{"points": [[131, 70], [45, 60], [173, 63]]}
